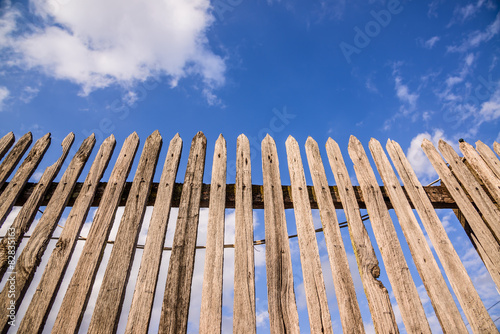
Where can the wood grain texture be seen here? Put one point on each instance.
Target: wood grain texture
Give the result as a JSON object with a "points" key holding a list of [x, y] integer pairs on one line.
{"points": [[496, 147], [14, 156], [490, 213], [27, 214], [283, 316], [5, 143], [244, 320], [112, 292], [211, 295], [175, 308], [486, 175], [142, 301], [46, 291], [397, 269], [489, 157], [79, 289], [32, 253], [467, 296], [23, 173], [369, 270], [485, 238], [350, 314], [441, 299], [314, 284]]}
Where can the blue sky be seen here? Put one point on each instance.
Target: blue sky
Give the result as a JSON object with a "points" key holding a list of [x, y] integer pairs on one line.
{"points": [[404, 70]]}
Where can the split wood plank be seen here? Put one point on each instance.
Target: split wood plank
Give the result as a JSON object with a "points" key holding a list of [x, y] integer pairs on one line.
{"points": [[27, 214], [283, 315], [467, 296], [489, 157], [244, 320], [14, 156], [441, 299], [489, 211], [211, 295], [23, 173], [496, 147], [485, 238], [404, 288], [369, 270], [112, 292], [142, 302], [350, 314], [32, 253], [175, 308], [314, 285], [486, 175], [46, 291], [79, 289], [5, 143]]}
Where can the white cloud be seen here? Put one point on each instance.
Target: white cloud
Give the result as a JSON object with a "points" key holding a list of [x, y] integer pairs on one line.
{"points": [[477, 37], [4, 94], [99, 43], [490, 110], [429, 44], [28, 94], [404, 95]]}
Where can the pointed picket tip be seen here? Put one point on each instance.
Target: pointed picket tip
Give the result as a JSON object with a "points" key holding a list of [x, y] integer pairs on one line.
{"points": [[155, 136], [310, 142], [291, 140], [10, 135], [267, 139], [443, 144], [27, 136], [176, 138], [221, 139], [111, 138], [353, 141], [46, 136], [201, 135], [426, 143], [69, 139], [133, 135], [374, 141], [242, 137]]}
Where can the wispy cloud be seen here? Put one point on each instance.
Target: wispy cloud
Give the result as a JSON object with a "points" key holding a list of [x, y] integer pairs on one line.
{"points": [[96, 43], [429, 44], [475, 38], [4, 94], [464, 13]]}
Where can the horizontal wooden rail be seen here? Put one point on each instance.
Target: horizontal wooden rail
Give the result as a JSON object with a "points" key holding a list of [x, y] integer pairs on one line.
{"points": [[438, 195]]}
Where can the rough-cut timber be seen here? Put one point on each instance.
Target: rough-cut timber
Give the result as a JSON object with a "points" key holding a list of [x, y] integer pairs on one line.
{"points": [[27, 214], [112, 292], [142, 301], [174, 314], [283, 316], [5, 143], [350, 314], [398, 272], [484, 236], [488, 210], [32, 253], [14, 156], [486, 175], [23, 173], [369, 270], [467, 296], [441, 299], [496, 147], [489, 157], [314, 285], [211, 295], [76, 297], [46, 291], [244, 320]]}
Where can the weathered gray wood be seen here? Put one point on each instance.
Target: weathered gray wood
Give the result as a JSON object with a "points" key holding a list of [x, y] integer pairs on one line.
{"points": [[471, 303], [441, 299], [486, 175], [489, 211], [23, 173], [5, 143], [79, 289], [369, 270], [350, 314], [27, 214], [314, 285], [32, 253], [112, 292], [397, 269], [211, 295], [485, 237], [46, 291], [142, 301], [175, 308], [244, 320], [14, 156], [283, 316], [489, 157]]}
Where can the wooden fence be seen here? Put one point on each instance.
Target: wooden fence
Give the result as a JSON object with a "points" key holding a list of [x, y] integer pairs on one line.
{"points": [[470, 186]]}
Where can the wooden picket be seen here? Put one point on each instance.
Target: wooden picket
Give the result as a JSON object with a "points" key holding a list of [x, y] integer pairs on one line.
{"points": [[470, 186]]}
